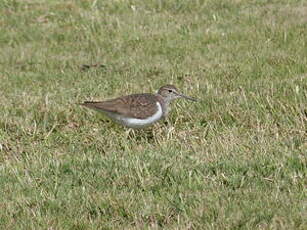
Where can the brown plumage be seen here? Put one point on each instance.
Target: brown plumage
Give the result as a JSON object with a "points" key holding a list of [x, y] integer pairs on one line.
{"points": [[138, 110], [138, 106]]}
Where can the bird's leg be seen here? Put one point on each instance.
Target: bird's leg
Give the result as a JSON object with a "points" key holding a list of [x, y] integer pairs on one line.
{"points": [[129, 133], [169, 128]]}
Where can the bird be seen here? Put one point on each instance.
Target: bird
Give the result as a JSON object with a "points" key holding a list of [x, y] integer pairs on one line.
{"points": [[141, 110]]}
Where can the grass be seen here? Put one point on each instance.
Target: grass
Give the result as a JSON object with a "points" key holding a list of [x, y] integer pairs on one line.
{"points": [[235, 160]]}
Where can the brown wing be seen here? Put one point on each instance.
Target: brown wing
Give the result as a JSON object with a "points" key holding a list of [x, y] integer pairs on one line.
{"points": [[136, 105]]}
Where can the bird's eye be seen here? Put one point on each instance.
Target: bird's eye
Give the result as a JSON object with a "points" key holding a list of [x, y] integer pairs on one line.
{"points": [[170, 90]]}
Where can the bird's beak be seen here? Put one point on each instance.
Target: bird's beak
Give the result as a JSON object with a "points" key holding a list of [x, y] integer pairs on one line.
{"points": [[187, 97]]}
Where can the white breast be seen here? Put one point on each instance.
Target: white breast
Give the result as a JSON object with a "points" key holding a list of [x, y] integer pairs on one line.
{"points": [[140, 123]]}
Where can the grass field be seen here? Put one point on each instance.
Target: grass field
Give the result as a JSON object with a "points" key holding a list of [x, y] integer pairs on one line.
{"points": [[235, 160]]}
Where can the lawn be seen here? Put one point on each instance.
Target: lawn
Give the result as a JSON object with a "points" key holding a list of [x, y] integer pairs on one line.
{"points": [[237, 159]]}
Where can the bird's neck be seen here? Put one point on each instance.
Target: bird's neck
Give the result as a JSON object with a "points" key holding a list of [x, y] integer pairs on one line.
{"points": [[164, 104]]}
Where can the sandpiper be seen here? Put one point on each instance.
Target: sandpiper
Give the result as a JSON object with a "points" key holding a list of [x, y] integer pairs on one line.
{"points": [[138, 110]]}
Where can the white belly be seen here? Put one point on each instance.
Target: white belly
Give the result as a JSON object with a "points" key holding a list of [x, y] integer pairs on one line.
{"points": [[139, 123]]}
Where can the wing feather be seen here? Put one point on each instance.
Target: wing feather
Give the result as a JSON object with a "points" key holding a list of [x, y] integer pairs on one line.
{"points": [[138, 106]]}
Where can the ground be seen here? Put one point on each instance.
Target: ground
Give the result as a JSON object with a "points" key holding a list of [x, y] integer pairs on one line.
{"points": [[234, 160]]}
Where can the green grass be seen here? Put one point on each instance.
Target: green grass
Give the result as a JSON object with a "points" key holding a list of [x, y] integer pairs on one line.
{"points": [[235, 160]]}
